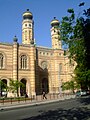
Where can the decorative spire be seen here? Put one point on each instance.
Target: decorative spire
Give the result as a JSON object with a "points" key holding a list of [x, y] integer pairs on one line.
{"points": [[27, 9], [54, 17], [15, 39]]}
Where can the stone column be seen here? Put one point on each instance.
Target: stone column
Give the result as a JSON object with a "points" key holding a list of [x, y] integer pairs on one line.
{"points": [[32, 70], [15, 60], [15, 57], [56, 84]]}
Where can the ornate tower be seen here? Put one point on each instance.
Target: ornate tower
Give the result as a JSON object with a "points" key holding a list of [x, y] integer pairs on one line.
{"points": [[55, 34], [27, 28]]}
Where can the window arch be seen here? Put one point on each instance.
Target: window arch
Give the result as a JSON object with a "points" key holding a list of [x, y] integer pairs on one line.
{"points": [[23, 62], [23, 87], [60, 68], [3, 87], [1, 61]]}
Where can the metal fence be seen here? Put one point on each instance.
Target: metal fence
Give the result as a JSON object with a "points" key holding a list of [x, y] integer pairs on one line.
{"points": [[38, 98]]}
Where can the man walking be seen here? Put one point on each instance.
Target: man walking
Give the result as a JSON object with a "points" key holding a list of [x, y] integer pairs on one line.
{"points": [[44, 95]]}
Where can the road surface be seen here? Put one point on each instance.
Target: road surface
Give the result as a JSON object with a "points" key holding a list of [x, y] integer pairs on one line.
{"points": [[73, 109]]}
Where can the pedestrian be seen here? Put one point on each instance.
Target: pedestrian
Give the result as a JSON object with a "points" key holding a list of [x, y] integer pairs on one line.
{"points": [[26, 96], [44, 95]]}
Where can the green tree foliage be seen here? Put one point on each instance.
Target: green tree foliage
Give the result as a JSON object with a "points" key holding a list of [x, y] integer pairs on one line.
{"points": [[70, 85], [14, 85], [75, 31]]}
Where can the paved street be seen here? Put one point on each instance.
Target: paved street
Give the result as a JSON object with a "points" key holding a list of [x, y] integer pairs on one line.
{"points": [[73, 109]]}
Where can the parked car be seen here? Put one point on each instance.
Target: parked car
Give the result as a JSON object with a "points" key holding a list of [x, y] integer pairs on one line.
{"points": [[81, 93], [78, 93]]}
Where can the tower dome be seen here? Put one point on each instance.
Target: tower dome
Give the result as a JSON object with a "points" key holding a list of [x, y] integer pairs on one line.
{"points": [[27, 28], [55, 22], [27, 15], [55, 34]]}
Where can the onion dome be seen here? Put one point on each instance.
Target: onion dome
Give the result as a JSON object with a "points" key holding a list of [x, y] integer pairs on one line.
{"points": [[27, 15], [55, 22]]}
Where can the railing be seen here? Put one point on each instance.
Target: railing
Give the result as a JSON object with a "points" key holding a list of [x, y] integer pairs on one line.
{"points": [[38, 98]]}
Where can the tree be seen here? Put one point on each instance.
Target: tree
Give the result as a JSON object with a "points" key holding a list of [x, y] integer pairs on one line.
{"points": [[70, 85], [14, 86], [74, 32]]}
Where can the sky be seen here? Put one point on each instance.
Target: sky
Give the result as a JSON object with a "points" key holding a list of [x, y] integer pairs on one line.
{"points": [[43, 13]]}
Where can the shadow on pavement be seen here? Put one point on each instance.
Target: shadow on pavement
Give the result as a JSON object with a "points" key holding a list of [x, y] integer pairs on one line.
{"points": [[85, 100], [60, 114]]}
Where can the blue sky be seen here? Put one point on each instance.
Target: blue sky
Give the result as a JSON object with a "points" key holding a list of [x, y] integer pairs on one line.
{"points": [[43, 12]]}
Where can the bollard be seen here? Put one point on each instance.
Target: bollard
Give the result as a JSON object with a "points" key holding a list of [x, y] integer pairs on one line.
{"points": [[3, 101], [36, 97], [11, 100], [50, 96], [25, 99], [31, 98], [18, 100]]}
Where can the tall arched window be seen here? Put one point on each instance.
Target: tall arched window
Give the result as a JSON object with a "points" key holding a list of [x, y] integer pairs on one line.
{"points": [[60, 68], [1, 61], [3, 87], [23, 87], [23, 62]]}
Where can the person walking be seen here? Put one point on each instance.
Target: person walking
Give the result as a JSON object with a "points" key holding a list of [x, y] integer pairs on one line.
{"points": [[44, 95], [26, 95]]}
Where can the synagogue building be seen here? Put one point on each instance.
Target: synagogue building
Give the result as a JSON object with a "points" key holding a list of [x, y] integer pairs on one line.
{"points": [[38, 68]]}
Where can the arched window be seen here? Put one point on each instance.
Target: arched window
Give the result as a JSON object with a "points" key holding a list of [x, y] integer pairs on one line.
{"points": [[60, 68], [3, 87], [1, 60], [23, 87], [23, 62]]}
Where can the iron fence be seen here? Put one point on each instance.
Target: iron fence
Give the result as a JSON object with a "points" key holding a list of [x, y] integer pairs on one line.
{"points": [[37, 98]]}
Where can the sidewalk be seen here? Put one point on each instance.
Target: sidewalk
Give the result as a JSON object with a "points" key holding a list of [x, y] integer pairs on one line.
{"points": [[8, 106]]}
